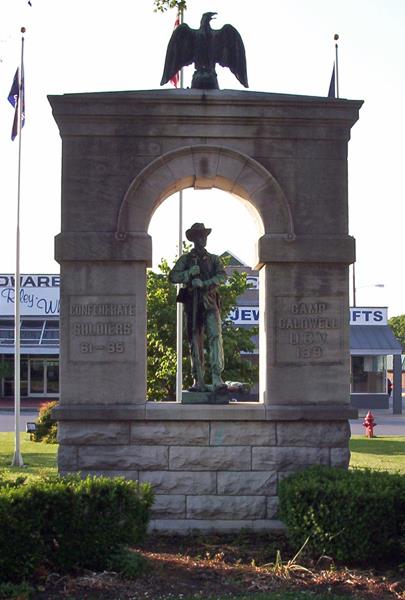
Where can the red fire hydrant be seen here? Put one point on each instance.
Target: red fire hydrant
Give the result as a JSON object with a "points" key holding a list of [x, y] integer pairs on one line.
{"points": [[369, 424]]}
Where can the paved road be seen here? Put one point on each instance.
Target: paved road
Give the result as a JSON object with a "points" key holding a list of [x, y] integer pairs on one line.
{"points": [[386, 424], [7, 419]]}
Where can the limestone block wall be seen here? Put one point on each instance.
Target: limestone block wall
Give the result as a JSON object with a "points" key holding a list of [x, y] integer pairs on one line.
{"points": [[206, 474]]}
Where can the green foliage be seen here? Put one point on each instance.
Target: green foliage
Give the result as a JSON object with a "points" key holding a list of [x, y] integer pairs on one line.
{"points": [[6, 482], [163, 5], [127, 562], [354, 516], [397, 325], [46, 430], [161, 335], [236, 339], [15, 591], [62, 523]]}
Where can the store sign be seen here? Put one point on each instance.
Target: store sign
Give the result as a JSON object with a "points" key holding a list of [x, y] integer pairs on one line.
{"points": [[39, 295], [249, 315], [253, 282], [245, 315], [368, 316]]}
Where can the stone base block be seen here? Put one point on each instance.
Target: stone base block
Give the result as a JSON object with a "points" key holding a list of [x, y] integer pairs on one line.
{"points": [[211, 474], [204, 398], [187, 526]]}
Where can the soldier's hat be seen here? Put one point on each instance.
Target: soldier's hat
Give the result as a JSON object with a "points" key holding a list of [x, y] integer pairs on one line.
{"points": [[195, 229]]}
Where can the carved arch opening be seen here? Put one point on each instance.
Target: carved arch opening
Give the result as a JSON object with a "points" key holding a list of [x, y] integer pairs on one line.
{"points": [[205, 167]]}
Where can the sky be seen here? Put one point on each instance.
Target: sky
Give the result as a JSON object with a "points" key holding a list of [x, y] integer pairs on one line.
{"points": [[74, 46]]}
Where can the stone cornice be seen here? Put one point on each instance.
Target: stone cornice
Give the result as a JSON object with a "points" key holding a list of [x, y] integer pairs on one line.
{"points": [[172, 411], [123, 113]]}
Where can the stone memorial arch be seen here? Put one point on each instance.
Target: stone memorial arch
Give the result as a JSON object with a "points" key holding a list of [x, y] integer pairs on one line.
{"points": [[212, 467]]}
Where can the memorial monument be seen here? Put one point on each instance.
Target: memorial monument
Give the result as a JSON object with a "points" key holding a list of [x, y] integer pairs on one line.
{"points": [[124, 153]]}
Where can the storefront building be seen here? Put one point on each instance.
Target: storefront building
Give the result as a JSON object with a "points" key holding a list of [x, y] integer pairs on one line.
{"points": [[39, 309], [372, 343]]}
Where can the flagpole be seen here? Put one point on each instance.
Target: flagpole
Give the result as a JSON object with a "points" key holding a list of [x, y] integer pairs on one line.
{"points": [[336, 37], [17, 458], [179, 322]]}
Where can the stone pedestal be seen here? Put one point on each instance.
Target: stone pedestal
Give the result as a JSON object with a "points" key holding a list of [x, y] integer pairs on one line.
{"points": [[212, 467], [204, 398], [123, 154]]}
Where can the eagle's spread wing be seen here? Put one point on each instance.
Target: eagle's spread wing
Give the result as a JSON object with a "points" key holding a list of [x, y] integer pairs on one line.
{"points": [[180, 51], [229, 51]]}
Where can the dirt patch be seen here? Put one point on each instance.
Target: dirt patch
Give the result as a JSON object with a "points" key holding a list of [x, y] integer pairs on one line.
{"points": [[224, 566]]}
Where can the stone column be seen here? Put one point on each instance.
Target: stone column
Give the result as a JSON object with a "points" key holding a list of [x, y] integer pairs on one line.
{"points": [[103, 318], [306, 303]]}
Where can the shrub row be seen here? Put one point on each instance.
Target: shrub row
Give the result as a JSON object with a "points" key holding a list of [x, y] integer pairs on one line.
{"points": [[353, 516], [61, 523]]}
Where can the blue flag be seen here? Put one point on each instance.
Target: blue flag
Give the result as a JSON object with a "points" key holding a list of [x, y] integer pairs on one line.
{"points": [[332, 90], [16, 96]]}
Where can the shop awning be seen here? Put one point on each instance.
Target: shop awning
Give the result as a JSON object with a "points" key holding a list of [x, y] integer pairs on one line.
{"points": [[373, 340]]}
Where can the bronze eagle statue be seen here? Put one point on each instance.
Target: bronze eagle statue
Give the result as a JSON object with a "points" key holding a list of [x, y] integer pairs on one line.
{"points": [[205, 47]]}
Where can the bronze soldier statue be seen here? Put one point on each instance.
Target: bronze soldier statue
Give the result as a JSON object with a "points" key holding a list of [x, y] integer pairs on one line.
{"points": [[201, 273]]}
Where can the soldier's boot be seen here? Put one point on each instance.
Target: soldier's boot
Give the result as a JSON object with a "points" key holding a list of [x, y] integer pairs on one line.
{"points": [[198, 386], [217, 384]]}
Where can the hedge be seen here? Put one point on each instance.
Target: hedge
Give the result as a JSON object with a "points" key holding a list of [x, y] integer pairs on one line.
{"points": [[354, 516], [61, 523]]}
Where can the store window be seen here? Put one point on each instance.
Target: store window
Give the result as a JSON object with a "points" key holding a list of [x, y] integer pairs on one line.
{"points": [[7, 381], [44, 377], [39, 376], [369, 375]]}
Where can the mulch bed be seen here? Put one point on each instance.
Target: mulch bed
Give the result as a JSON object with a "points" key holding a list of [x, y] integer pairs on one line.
{"points": [[213, 567]]}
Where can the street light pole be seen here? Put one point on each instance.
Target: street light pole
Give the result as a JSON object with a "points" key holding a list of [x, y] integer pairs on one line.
{"points": [[375, 285]]}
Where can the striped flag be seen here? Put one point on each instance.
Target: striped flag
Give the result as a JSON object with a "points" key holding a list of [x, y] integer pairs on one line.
{"points": [[176, 77], [16, 96]]}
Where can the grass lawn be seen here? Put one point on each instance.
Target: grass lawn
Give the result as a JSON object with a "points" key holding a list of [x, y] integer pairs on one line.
{"points": [[39, 459], [380, 453]]}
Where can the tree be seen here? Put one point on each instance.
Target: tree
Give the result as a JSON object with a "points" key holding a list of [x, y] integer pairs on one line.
{"points": [[397, 325], [163, 5], [161, 336]]}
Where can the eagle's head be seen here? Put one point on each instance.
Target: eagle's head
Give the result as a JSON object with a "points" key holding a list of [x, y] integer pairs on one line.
{"points": [[206, 18]]}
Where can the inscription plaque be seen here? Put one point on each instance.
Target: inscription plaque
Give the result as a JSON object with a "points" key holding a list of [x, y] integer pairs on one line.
{"points": [[309, 330], [102, 328]]}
